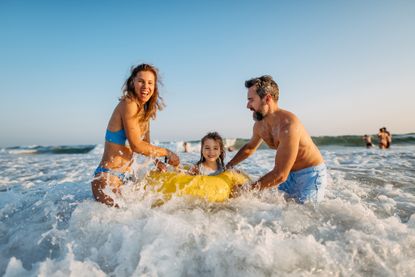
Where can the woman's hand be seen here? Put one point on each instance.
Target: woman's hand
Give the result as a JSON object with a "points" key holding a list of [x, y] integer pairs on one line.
{"points": [[172, 159]]}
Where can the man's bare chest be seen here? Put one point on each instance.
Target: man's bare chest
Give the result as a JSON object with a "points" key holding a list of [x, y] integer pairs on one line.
{"points": [[270, 138]]}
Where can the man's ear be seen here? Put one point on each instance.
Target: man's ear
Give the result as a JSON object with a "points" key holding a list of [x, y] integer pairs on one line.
{"points": [[268, 97]]}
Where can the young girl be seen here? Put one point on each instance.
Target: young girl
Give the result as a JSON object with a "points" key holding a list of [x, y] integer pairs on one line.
{"points": [[212, 156]]}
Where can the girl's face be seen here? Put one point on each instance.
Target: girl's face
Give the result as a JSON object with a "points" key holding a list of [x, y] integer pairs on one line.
{"points": [[144, 84], [211, 150]]}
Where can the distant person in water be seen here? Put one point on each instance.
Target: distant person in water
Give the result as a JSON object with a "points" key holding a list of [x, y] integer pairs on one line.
{"points": [[186, 147], [368, 140], [212, 156], [299, 168], [130, 122], [389, 141], [383, 139], [231, 148]]}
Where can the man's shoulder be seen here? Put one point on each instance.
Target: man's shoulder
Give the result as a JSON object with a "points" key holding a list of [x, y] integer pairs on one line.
{"points": [[287, 114], [287, 118]]}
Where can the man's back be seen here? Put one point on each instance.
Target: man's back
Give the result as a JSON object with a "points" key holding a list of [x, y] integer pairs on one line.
{"points": [[284, 125]]}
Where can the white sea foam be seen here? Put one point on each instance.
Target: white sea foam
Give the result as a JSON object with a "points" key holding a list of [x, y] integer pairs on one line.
{"points": [[51, 226]]}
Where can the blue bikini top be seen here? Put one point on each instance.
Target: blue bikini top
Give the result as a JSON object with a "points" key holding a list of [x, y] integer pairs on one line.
{"points": [[117, 137]]}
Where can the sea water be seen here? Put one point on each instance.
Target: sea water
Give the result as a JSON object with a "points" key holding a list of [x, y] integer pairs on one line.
{"points": [[51, 226]]}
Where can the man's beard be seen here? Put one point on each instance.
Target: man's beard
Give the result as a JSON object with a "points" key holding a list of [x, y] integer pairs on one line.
{"points": [[258, 116]]}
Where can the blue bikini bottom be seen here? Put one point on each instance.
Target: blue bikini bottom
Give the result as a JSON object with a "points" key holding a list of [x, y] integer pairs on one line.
{"points": [[101, 169]]}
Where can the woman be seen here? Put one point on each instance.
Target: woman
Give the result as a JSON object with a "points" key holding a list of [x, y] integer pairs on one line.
{"points": [[383, 139], [130, 122]]}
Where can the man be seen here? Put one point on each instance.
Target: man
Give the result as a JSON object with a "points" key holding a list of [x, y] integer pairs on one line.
{"points": [[299, 168], [368, 141]]}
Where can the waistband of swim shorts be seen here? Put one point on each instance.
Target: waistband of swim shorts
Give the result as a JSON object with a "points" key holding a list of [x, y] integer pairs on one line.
{"points": [[310, 169]]}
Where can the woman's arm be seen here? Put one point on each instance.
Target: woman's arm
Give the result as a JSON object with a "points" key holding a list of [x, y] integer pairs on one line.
{"points": [[130, 118]]}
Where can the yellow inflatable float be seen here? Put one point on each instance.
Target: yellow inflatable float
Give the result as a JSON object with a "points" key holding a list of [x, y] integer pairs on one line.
{"points": [[212, 188]]}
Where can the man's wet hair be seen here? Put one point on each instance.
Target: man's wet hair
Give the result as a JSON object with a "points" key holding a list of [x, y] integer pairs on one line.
{"points": [[264, 85]]}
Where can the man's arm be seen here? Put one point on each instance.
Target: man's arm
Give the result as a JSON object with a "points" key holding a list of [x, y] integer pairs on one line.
{"points": [[247, 150], [289, 139]]}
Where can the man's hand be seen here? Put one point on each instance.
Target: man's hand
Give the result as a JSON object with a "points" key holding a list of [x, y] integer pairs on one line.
{"points": [[228, 167], [237, 190]]}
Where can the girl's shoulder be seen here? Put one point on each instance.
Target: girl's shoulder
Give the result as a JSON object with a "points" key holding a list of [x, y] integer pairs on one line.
{"points": [[203, 170]]}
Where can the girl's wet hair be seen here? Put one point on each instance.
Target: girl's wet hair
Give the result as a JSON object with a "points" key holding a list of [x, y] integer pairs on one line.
{"points": [[216, 137], [156, 102], [264, 85]]}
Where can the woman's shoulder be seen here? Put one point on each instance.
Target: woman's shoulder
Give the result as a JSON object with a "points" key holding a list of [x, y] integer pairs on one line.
{"points": [[125, 101], [128, 105]]}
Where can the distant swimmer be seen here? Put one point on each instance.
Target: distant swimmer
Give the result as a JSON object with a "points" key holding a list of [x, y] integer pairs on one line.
{"points": [[368, 140], [231, 148], [186, 147], [388, 144], [383, 139], [299, 168], [212, 156], [130, 122]]}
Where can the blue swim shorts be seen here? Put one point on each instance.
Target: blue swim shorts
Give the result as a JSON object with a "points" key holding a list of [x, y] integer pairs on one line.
{"points": [[307, 184]]}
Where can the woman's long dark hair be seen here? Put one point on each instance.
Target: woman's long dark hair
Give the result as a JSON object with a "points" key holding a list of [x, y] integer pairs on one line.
{"points": [[216, 137], [155, 102]]}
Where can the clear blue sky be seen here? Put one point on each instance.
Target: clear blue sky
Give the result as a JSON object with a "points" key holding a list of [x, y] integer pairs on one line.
{"points": [[344, 67]]}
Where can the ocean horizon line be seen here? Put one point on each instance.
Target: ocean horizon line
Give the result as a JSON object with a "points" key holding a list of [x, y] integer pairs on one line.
{"points": [[236, 143]]}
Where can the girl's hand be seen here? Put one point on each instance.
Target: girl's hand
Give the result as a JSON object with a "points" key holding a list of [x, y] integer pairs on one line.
{"points": [[193, 170], [161, 166]]}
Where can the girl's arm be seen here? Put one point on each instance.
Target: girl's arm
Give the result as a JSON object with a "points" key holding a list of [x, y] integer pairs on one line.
{"points": [[194, 170]]}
